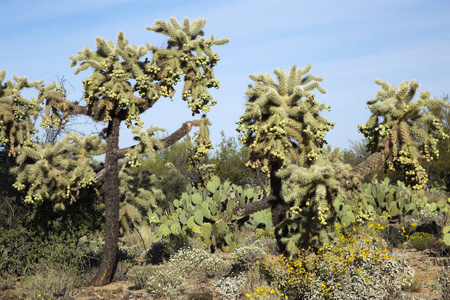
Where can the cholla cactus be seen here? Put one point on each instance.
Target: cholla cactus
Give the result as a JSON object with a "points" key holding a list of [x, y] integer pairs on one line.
{"points": [[311, 194], [282, 120], [16, 113], [402, 132], [189, 54], [57, 172], [282, 124], [123, 85], [138, 198]]}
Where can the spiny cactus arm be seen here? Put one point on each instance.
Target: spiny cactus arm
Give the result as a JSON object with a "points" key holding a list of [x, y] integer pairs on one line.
{"points": [[109, 91], [164, 143], [53, 172], [57, 99], [188, 35], [373, 162], [188, 54], [17, 112]]}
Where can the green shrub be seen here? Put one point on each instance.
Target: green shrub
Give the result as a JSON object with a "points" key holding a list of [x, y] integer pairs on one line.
{"points": [[421, 240], [443, 281], [187, 261], [200, 262], [21, 249], [168, 281], [268, 244], [7, 281], [165, 282], [249, 254], [139, 275], [49, 281], [215, 267], [134, 251], [159, 252], [230, 288]]}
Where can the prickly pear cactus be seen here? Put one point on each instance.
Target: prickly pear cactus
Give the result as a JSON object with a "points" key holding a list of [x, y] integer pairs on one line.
{"points": [[208, 212], [388, 200], [398, 200]]}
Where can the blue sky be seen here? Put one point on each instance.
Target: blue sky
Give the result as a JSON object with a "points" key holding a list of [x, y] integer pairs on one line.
{"points": [[348, 43]]}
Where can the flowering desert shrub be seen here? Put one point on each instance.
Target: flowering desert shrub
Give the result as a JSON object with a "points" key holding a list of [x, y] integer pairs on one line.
{"points": [[356, 266], [230, 288], [165, 282], [421, 240]]}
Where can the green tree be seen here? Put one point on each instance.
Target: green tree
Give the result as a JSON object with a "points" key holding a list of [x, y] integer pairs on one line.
{"points": [[230, 159], [402, 134], [124, 83], [281, 124], [356, 154], [171, 169]]}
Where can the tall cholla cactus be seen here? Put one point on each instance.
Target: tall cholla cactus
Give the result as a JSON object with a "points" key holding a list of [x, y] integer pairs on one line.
{"points": [[282, 120], [401, 132], [282, 124], [311, 192], [16, 113], [123, 85], [108, 90]]}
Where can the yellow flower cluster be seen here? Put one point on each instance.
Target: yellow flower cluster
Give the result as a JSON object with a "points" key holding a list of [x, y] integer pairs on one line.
{"points": [[358, 252], [262, 292]]}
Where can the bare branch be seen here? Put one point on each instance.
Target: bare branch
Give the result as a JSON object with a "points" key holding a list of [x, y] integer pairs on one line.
{"points": [[249, 209], [167, 142], [177, 135]]}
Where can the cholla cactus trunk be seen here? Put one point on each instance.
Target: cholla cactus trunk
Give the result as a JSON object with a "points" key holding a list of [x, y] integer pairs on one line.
{"points": [[112, 204], [374, 162], [277, 203]]}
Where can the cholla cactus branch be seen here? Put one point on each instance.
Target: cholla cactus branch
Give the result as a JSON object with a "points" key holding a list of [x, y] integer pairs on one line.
{"points": [[282, 119], [17, 113], [54, 172], [402, 133]]}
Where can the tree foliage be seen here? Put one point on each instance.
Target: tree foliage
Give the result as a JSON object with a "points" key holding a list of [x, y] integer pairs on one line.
{"points": [[230, 159]]}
